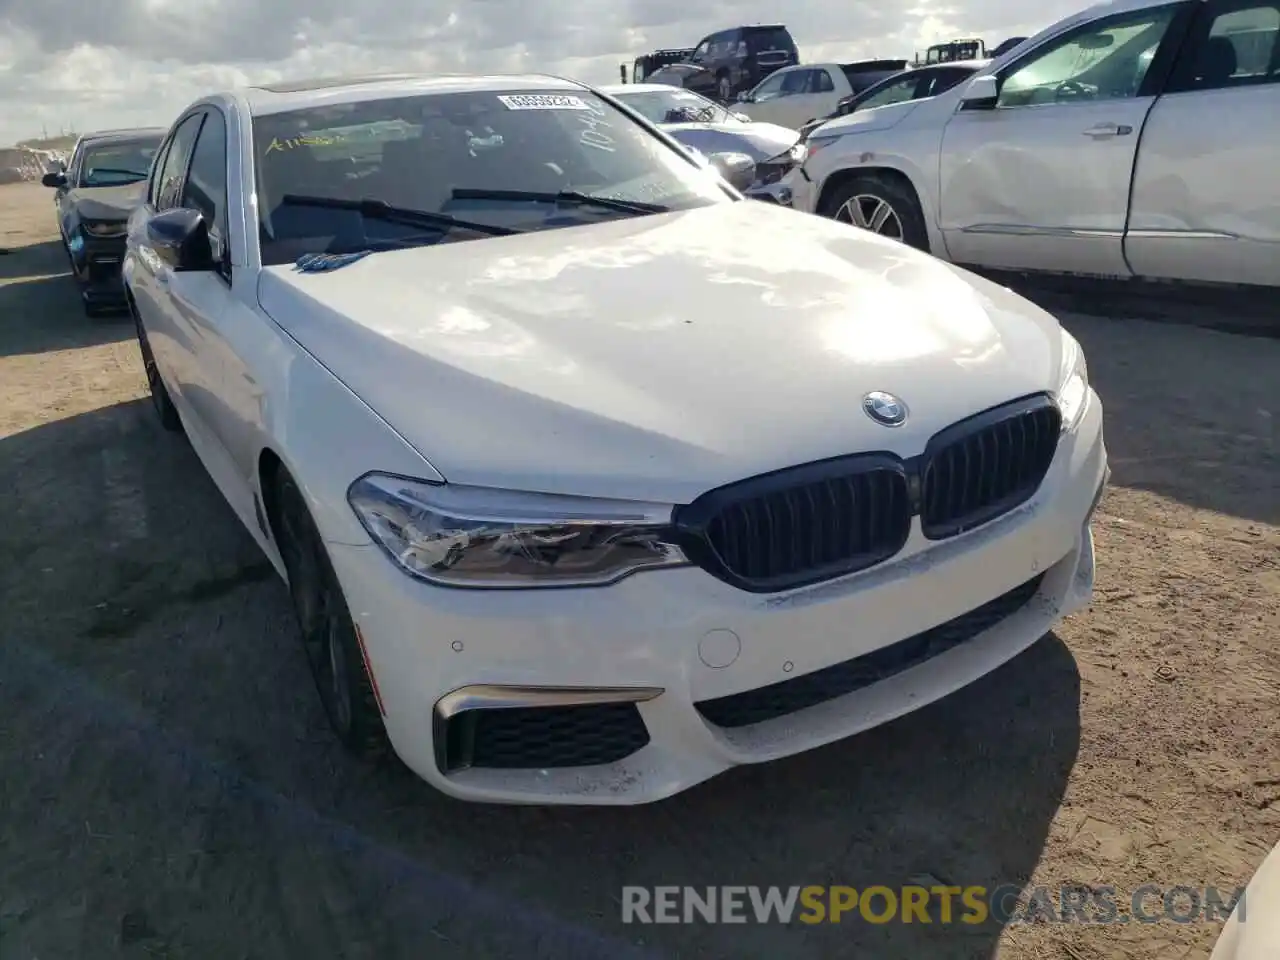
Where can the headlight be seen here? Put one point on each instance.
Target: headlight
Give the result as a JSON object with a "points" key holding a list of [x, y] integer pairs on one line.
{"points": [[794, 155], [480, 537], [814, 144], [1073, 394], [103, 228]]}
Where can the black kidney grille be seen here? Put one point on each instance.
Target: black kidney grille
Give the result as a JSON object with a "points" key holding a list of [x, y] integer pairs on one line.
{"points": [[543, 737], [810, 530], [985, 466], [789, 696]]}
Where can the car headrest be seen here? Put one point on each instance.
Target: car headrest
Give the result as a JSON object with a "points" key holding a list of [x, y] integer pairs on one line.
{"points": [[1217, 61]]}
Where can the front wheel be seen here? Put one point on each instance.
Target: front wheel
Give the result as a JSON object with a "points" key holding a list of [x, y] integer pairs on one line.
{"points": [[329, 636], [881, 205], [160, 399]]}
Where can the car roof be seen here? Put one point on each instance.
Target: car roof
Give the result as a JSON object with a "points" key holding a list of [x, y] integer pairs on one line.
{"points": [[1104, 9], [271, 98], [970, 64], [129, 133]]}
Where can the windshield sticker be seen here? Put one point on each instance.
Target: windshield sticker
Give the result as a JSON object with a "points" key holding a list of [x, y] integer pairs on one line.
{"points": [[542, 101], [324, 262], [593, 134], [303, 141]]}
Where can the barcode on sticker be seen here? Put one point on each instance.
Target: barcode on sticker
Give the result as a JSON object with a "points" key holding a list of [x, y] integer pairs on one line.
{"points": [[543, 101]]}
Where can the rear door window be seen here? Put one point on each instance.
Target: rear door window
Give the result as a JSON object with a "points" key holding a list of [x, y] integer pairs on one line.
{"points": [[942, 80], [761, 41], [1236, 44]]}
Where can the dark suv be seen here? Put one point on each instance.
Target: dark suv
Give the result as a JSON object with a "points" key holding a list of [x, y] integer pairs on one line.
{"points": [[730, 61]]}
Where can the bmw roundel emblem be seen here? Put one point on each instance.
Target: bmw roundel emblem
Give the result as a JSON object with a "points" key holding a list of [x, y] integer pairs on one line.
{"points": [[885, 408]]}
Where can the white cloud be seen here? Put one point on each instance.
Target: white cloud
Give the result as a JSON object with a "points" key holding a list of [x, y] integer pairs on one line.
{"points": [[80, 65]]}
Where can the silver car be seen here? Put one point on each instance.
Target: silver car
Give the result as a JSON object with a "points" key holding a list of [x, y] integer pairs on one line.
{"points": [[712, 129]]}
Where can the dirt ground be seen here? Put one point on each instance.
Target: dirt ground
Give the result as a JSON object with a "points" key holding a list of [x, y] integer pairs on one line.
{"points": [[168, 787]]}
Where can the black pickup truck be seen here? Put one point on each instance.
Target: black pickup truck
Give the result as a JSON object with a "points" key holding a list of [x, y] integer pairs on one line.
{"points": [[104, 181], [730, 61]]}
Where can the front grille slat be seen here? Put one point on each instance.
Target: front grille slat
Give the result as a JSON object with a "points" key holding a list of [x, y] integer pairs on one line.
{"points": [[805, 524], [788, 696], [983, 467]]}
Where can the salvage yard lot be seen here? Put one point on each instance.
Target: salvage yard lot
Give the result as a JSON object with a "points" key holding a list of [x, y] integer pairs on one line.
{"points": [[168, 786]]}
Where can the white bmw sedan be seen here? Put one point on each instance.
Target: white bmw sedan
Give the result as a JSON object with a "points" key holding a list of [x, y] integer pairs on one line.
{"points": [[590, 479]]}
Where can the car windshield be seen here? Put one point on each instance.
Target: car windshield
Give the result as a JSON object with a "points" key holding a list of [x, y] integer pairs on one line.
{"points": [[117, 162], [351, 176], [674, 106]]}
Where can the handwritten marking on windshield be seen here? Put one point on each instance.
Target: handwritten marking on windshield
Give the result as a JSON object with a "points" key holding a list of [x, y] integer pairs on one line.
{"points": [[303, 141], [592, 135]]}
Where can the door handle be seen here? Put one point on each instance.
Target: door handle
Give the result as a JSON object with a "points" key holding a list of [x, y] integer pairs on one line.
{"points": [[1100, 130]]}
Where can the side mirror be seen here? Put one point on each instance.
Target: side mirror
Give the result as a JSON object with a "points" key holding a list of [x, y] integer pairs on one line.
{"points": [[55, 179], [737, 169], [981, 93], [743, 97], [180, 237]]}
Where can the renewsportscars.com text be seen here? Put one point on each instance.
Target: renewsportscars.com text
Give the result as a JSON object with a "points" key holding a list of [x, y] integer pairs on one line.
{"points": [[939, 904]]}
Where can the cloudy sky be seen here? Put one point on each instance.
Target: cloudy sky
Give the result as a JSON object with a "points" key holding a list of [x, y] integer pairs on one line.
{"points": [[84, 64]]}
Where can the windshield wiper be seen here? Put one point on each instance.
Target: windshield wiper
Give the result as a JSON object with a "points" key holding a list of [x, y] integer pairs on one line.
{"points": [[129, 173], [373, 209], [564, 196]]}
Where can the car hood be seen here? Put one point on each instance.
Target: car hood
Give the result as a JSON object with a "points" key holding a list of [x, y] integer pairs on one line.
{"points": [[760, 141], [676, 74], [657, 357], [866, 121], [108, 203]]}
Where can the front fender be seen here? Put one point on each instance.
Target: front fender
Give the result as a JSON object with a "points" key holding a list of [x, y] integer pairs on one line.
{"points": [[907, 149], [325, 436]]}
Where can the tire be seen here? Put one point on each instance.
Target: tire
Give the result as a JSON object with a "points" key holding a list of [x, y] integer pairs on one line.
{"points": [[165, 409], [866, 198], [328, 633], [71, 261]]}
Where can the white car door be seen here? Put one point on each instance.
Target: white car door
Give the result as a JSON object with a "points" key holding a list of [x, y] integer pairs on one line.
{"points": [[151, 279], [781, 97], [1206, 200], [1039, 179], [803, 94], [825, 88], [210, 315], [188, 309], [761, 102]]}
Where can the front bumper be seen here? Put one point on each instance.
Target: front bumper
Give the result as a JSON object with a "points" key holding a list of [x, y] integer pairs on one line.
{"points": [[98, 263], [803, 192], [778, 192], [655, 682]]}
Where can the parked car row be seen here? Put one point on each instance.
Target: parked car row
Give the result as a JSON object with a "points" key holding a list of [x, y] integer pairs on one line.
{"points": [[915, 83], [716, 131], [796, 95]]}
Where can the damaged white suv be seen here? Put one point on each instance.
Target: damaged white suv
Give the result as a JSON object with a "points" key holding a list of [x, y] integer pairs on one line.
{"points": [[590, 479]]}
